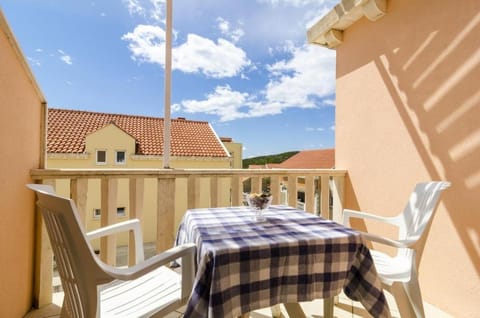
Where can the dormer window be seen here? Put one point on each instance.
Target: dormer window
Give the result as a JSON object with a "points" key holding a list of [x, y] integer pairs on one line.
{"points": [[101, 157], [120, 157]]}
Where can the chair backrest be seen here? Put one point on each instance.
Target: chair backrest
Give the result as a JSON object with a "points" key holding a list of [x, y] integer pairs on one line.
{"points": [[417, 216], [77, 266]]}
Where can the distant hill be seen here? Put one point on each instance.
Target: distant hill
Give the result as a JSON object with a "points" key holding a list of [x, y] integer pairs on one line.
{"points": [[278, 158]]}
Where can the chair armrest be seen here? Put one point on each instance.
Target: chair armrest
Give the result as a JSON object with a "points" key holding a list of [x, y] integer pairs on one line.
{"points": [[185, 251], [347, 214], [130, 225], [387, 241]]}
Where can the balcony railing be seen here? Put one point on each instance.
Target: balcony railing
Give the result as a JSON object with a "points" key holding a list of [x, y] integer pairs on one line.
{"points": [[323, 195]]}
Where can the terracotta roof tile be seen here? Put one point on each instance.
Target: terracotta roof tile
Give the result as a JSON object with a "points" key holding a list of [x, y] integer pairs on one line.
{"points": [[310, 159], [67, 130], [306, 159]]}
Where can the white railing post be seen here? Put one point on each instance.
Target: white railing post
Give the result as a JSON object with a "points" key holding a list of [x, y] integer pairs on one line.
{"points": [[78, 193], [165, 213], [136, 186], [292, 190], [275, 189], [193, 192], [325, 197], [236, 190], [214, 188], [337, 185], [256, 184], [310, 194], [108, 210]]}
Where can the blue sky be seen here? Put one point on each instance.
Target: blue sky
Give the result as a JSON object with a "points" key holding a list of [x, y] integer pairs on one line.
{"points": [[244, 66]]}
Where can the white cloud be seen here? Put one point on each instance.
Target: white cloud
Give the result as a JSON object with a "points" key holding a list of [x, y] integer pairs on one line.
{"points": [[34, 61], [300, 82], [217, 60], [157, 12], [134, 7], [228, 105], [67, 59], [147, 44], [296, 82], [196, 55], [314, 129], [329, 102], [150, 9], [223, 102], [226, 29]]}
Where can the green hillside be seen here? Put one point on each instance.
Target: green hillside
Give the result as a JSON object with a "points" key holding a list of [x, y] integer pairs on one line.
{"points": [[278, 158]]}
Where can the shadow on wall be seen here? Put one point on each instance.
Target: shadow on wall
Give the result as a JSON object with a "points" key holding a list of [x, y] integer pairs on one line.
{"points": [[438, 98]]}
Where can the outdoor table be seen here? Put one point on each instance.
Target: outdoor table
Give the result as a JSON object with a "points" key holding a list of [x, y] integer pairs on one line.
{"points": [[292, 256]]}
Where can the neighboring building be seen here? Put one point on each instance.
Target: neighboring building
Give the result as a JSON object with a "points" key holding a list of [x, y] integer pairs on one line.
{"points": [[82, 139], [305, 159], [408, 110], [308, 159], [235, 150]]}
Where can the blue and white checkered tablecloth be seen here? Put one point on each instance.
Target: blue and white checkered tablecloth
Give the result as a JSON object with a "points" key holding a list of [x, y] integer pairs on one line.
{"points": [[293, 256]]}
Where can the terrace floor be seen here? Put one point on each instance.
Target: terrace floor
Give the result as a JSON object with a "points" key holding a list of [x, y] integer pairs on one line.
{"points": [[345, 308]]}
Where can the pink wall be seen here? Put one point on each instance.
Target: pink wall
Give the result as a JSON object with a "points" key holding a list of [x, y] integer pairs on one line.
{"points": [[20, 135], [408, 110]]}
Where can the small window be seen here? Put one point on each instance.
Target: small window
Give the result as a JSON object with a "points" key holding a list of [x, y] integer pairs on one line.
{"points": [[120, 157], [121, 211], [101, 157]]}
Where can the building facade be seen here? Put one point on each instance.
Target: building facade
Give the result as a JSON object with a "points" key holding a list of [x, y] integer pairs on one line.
{"points": [[91, 140], [408, 110], [22, 112]]}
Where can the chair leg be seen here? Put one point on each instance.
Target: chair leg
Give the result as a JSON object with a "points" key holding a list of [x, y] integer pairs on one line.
{"points": [[328, 304], [407, 305], [64, 313], [412, 290]]}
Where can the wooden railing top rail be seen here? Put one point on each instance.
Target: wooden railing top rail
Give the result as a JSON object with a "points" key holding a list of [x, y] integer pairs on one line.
{"points": [[39, 174]]}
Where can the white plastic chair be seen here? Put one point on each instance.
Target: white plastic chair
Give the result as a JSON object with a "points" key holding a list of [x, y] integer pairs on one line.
{"points": [[399, 274], [95, 289]]}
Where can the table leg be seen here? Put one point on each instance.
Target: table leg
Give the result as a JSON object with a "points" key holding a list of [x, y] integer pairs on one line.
{"points": [[276, 311], [328, 307], [294, 310]]}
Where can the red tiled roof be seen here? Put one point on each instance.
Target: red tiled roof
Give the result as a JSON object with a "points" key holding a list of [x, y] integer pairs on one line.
{"points": [[310, 159], [67, 130]]}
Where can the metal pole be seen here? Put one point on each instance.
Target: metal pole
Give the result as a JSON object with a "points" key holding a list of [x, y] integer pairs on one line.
{"points": [[168, 78]]}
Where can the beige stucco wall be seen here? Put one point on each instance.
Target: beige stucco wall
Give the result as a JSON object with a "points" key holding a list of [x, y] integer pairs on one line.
{"points": [[20, 135], [236, 151], [111, 138], [408, 110]]}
